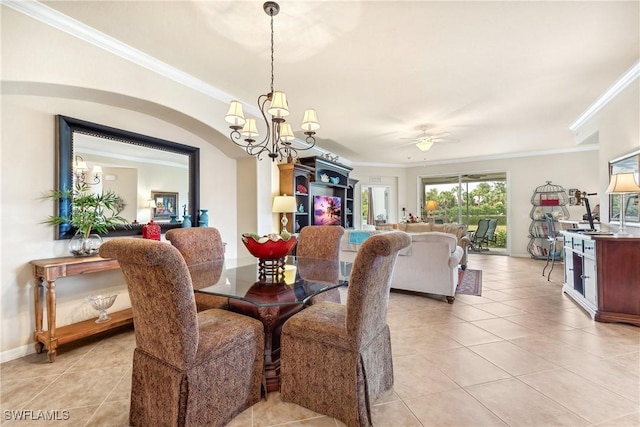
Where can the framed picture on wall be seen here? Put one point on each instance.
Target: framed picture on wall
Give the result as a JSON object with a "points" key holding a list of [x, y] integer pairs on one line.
{"points": [[165, 204], [572, 196]]}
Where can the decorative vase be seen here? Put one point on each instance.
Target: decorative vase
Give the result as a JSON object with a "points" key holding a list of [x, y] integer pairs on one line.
{"points": [[151, 231], [186, 221], [173, 219], [85, 246], [204, 218]]}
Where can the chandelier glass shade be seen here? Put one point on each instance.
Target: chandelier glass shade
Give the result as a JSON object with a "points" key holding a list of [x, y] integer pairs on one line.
{"points": [[277, 143]]}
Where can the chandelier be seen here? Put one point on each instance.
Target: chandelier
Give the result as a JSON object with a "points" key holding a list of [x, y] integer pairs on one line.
{"points": [[80, 169], [277, 142]]}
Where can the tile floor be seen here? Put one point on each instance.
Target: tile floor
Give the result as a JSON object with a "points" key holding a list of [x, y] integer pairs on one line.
{"points": [[523, 354]]}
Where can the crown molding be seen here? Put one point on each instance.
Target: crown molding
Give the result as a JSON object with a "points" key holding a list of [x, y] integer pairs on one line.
{"points": [[589, 147], [624, 81], [62, 22]]}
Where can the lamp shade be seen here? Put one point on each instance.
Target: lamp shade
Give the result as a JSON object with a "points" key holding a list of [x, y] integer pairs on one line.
{"points": [[279, 107], [249, 129], [623, 182], [431, 205], [310, 121], [284, 204], [286, 133], [235, 116]]}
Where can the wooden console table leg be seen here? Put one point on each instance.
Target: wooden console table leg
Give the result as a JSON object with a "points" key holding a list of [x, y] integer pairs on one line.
{"points": [[38, 294], [52, 341]]}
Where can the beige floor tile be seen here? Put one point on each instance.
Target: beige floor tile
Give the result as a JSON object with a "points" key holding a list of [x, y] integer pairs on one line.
{"points": [[122, 391], [503, 328], [426, 339], [15, 394], [581, 396], [614, 375], [415, 375], [432, 343], [469, 312], [553, 350], [78, 389], [517, 404], [468, 334], [538, 323], [419, 319], [631, 420], [598, 345], [114, 414], [453, 408], [274, 411], [496, 294], [243, 419], [466, 367], [512, 358], [499, 309], [393, 414]]}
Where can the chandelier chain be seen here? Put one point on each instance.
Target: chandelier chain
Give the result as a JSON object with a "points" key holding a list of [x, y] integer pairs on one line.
{"points": [[271, 53]]}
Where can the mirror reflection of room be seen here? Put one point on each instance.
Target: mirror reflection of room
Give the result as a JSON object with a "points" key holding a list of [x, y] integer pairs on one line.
{"points": [[375, 204], [134, 173]]}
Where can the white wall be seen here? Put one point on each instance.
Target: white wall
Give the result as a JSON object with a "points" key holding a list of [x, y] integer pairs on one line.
{"points": [[46, 72]]}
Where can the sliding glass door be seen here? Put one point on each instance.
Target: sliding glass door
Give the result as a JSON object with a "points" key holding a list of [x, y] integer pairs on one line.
{"points": [[465, 199]]}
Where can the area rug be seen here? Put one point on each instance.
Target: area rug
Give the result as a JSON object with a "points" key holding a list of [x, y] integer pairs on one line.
{"points": [[469, 282]]}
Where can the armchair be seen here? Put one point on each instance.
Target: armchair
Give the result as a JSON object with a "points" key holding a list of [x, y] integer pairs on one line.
{"points": [[431, 266]]}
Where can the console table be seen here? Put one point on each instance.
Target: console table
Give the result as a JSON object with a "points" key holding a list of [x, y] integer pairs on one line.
{"points": [[602, 275], [50, 270]]}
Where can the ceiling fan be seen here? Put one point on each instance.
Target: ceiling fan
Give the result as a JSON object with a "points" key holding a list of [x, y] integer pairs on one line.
{"points": [[425, 141]]}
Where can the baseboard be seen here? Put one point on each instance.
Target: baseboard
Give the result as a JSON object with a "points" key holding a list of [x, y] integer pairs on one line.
{"points": [[16, 353]]}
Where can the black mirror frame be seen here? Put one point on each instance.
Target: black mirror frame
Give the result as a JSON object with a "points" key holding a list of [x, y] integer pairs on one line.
{"points": [[65, 128]]}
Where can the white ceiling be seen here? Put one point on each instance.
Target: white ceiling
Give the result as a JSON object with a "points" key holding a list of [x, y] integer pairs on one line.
{"points": [[503, 77]]}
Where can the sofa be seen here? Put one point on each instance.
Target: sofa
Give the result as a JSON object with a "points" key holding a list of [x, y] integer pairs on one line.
{"points": [[458, 230], [428, 265]]}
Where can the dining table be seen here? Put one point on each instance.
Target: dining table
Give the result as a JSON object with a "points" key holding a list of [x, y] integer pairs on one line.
{"points": [[271, 294]]}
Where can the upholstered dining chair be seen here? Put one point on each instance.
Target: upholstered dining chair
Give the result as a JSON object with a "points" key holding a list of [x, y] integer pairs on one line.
{"points": [[322, 242], [189, 368], [336, 359], [199, 245]]}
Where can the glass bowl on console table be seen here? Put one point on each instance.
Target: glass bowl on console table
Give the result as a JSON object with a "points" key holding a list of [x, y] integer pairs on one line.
{"points": [[271, 251]]}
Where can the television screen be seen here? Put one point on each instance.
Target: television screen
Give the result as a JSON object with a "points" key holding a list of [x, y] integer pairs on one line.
{"points": [[326, 210]]}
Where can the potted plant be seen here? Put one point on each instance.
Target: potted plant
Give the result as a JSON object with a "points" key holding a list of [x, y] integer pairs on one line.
{"points": [[91, 213]]}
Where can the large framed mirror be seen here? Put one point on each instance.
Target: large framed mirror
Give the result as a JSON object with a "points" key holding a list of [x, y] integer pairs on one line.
{"points": [[155, 178], [627, 163]]}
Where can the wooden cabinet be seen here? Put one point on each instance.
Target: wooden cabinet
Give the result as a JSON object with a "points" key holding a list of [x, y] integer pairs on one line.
{"points": [[350, 203], [294, 180], [51, 269], [319, 177], [602, 276]]}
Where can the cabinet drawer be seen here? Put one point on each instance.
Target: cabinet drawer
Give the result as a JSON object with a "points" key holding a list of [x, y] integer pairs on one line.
{"points": [[589, 248]]}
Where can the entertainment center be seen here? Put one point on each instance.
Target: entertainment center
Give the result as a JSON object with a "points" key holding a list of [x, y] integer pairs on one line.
{"points": [[323, 190]]}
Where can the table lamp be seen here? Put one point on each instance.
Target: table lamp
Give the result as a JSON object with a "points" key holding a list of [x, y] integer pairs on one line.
{"points": [[284, 204], [623, 183], [431, 206]]}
